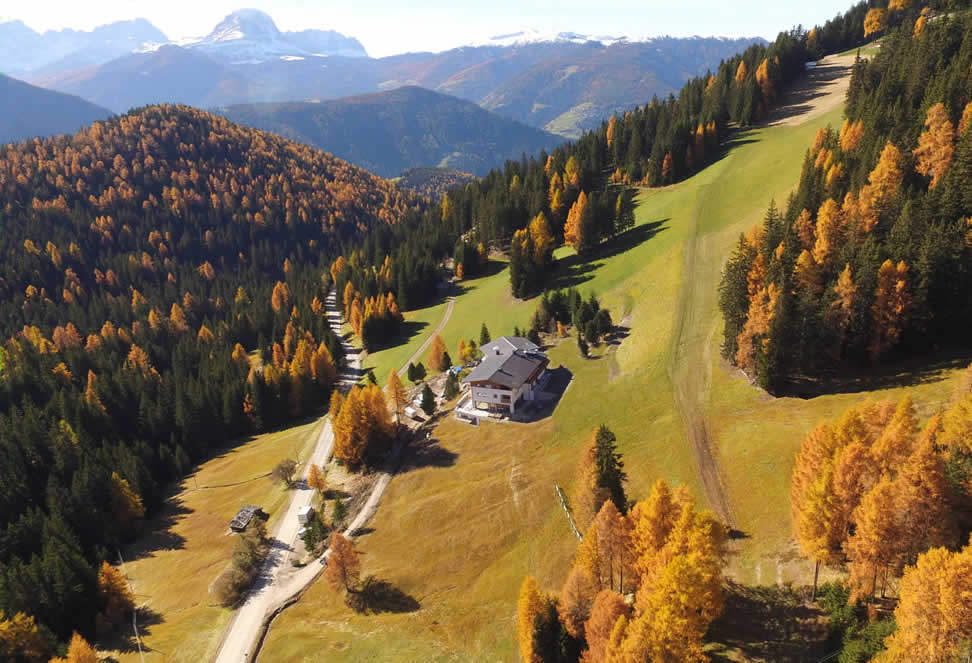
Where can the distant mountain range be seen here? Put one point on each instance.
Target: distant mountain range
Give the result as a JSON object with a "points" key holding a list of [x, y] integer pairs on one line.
{"points": [[409, 127], [27, 111], [24, 51], [563, 83]]}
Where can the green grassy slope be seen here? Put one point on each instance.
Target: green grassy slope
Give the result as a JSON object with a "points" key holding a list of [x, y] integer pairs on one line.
{"points": [[459, 538]]}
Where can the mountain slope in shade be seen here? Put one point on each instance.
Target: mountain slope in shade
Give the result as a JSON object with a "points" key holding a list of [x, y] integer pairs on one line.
{"points": [[408, 127], [27, 111]]}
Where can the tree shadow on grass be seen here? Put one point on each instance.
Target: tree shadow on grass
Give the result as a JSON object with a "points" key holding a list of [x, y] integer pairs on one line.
{"points": [[122, 638], [377, 596], [767, 624], [575, 269], [852, 378], [158, 533], [426, 452]]}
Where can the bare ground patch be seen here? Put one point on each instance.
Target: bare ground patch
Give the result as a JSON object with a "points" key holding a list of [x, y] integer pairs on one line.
{"points": [[822, 89]]}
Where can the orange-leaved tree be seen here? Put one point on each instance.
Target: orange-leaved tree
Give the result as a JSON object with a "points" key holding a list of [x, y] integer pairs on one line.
{"points": [[343, 564]]}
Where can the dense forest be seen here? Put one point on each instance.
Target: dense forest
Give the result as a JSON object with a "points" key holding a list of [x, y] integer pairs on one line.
{"points": [[162, 278], [870, 258]]}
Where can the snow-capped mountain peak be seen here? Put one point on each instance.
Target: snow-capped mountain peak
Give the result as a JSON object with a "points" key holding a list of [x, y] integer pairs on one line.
{"points": [[245, 24]]}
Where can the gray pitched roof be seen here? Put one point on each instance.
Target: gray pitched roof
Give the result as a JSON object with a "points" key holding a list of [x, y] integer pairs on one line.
{"points": [[506, 345], [509, 370]]}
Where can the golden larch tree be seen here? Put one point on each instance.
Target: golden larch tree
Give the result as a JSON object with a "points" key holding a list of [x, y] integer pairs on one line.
{"points": [[875, 21], [21, 640], [437, 353], [79, 651], [741, 72], [608, 606], [891, 308], [396, 394], [543, 240], [934, 613], [873, 547], [343, 569], [936, 145], [528, 606], [576, 600], [574, 229], [828, 232], [115, 594], [280, 297], [316, 479]]}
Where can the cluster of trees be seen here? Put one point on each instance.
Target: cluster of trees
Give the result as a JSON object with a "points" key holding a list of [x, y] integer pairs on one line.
{"points": [[871, 254], [570, 194], [663, 551], [250, 551], [22, 639], [362, 424], [161, 284], [873, 490], [557, 310], [370, 306]]}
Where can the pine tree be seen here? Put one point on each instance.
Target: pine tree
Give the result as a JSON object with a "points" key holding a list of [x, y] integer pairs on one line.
{"points": [[484, 337], [428, 400]]}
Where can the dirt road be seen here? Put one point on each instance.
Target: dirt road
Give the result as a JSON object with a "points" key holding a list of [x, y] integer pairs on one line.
{"points": [[689, 356], [267, 593], [274, 588], [689, 365], [417, 355]]}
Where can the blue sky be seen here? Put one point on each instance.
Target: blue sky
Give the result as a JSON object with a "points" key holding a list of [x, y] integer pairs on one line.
{"points": [[386, 27]]}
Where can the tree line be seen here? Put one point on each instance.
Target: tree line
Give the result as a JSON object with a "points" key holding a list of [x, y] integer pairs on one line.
{"points": [[869, 259], [891, 501], [577, 194]]}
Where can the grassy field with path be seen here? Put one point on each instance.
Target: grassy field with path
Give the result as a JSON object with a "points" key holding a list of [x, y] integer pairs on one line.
{"points": [[460, 528]]}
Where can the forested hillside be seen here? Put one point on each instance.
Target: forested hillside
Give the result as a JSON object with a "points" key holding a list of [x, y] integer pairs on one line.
{"points": [[27, 111], [870, 259], [576, 193], [389, 132], [141, 261]]}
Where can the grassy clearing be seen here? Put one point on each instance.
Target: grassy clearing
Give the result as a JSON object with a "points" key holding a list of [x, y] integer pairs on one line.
{"points": [[418, 325], [187, 546], [459, 536]]}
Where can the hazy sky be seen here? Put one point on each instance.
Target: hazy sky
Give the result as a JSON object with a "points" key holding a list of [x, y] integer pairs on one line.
{"points": [[386, 27]]}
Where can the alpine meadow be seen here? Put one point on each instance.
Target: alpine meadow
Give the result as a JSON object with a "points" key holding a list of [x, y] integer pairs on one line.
{"points": [[653, 349]]}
